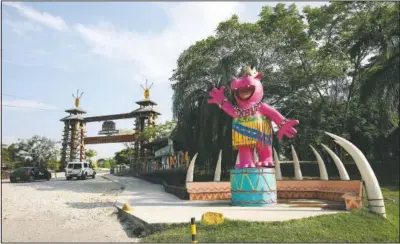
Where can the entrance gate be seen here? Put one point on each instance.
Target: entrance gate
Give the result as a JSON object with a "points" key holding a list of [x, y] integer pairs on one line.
{"points": [[74, 136]]}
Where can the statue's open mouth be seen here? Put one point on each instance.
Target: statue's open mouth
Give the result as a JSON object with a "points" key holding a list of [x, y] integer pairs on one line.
{"points": [[244, 93]]}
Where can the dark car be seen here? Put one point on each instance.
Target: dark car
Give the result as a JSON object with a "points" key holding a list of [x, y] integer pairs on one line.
{"points": [[29, 174]]}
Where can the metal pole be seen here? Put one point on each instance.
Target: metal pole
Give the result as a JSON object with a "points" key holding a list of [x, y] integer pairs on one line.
{"points": [[193, 230]]}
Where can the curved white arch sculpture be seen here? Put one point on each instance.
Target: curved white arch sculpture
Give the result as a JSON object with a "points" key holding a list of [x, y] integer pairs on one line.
{"points": [[255, 155], [296, 164], [374, 193], [278, 173], [323, 174], [339, 164], [217, 174], [237, 159], [189, 175]]}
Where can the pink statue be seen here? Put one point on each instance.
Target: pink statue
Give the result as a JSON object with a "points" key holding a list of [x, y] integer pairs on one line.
{"points": [[251, 126]]}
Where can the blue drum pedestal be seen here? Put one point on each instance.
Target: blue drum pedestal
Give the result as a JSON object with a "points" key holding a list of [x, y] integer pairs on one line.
{"points": [[253, 187]]}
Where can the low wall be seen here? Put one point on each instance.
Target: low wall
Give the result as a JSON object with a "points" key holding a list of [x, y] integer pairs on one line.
{"points": [[209, 190], [150, 179], [349, 191], [332, 190], [180, 192], [177, 191]]}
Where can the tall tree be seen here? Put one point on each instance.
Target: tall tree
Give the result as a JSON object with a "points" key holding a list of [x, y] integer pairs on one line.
{"points": [[123, 156], [6, 159], [158, 131], [90, 154], [37, 151]]}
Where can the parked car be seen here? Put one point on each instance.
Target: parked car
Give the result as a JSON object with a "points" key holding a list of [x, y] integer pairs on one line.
{"points": [[29, 174], [80, 170]]}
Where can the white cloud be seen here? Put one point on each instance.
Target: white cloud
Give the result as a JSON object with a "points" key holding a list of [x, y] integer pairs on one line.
{"points": [[72, 46], [35, 58], [39, 52], [25, 104], [54, 22], [155, 54], [22, 27], [65, 68]]}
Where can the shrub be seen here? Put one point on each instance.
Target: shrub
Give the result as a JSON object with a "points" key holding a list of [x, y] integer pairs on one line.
{"points": [[107, 164], [387, 173], [95, 165]]}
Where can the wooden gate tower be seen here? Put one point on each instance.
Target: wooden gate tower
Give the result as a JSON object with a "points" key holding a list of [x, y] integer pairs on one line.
{"points": [[73, 143]]}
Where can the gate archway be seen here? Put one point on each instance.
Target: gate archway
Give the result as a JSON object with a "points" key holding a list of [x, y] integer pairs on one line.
{"points": [[74, 138]]}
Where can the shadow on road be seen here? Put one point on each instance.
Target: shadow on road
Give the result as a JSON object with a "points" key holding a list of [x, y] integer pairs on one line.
{"points": [[98, 185], [90, 205], [126, 225], [20, 182]]}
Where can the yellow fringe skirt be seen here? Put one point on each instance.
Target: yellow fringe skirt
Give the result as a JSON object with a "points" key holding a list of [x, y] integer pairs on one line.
{"points": [[251, 131]]}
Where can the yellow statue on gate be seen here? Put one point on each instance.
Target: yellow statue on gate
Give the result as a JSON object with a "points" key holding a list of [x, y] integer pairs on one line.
{"points": [[147, 90], [77, 98]]}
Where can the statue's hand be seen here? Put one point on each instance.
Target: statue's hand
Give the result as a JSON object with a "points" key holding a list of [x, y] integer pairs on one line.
{"points": [[287, 129], [217, 96]]}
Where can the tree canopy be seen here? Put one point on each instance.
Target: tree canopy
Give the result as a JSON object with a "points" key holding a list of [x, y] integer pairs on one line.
{"points": [[334, 68], [158, 131], [36, 151], [122, 157], [90, 154]]}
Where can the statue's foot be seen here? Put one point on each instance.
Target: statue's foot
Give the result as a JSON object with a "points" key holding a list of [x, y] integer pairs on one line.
{"points": [[244, 166], [259, 164], [268, 163]]}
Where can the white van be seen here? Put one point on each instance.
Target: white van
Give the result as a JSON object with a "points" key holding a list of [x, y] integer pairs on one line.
{"points": [[80, 170]]}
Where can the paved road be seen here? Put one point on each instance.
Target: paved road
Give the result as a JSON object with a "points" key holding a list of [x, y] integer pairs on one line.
{"points": [[61, 211]]}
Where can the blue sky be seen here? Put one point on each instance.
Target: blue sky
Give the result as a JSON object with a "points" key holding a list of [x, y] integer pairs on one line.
{"points": [[106, 50]]}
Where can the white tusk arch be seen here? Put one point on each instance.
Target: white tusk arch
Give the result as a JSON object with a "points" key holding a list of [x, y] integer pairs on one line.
{"points": [[323, 174], [255, 155], [296, 164], [217, 174], [237, 159], [278, 173], [189, 175], [339, 164], [374, 193]]}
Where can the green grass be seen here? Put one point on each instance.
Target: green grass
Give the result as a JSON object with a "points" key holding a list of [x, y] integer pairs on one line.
{"points": [[356, 226]]}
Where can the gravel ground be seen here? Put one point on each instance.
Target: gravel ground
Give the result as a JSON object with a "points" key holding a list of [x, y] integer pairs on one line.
{"points": [[61, 211]]}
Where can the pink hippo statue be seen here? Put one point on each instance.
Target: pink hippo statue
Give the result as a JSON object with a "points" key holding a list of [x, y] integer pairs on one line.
{"points": [[251, 126]]}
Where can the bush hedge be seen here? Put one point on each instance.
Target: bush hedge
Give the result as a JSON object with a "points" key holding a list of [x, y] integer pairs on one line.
{"points": [[387, 173]]}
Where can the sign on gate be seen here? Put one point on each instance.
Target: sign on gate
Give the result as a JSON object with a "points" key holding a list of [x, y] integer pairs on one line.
{"points": [[110, 139]]}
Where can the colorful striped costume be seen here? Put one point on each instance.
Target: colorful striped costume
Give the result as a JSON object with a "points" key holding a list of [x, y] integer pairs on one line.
{"points": [[251, 131]]}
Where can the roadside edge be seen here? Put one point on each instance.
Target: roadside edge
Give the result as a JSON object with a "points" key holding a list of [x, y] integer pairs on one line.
{"points": [[139, 227]]}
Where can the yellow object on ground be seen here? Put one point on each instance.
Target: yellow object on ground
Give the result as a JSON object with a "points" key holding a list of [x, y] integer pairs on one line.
{"points": [[211, 218], [126, 207]]}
